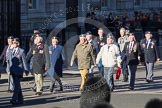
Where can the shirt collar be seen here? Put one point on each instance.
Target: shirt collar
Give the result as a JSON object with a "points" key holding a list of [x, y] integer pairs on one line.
{"points": [[38, 43], [90, 41], [15, 49]]}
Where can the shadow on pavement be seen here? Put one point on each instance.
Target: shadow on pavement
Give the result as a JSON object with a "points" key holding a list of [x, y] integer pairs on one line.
{"points": [[39, 101]]}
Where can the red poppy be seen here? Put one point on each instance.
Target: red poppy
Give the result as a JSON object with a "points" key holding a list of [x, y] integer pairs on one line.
{"points": [[118, 71], [41, 47]]}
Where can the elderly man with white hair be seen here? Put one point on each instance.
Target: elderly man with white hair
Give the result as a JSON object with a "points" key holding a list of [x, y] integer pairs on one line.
{"points": [[41, 62], [110, 56]]}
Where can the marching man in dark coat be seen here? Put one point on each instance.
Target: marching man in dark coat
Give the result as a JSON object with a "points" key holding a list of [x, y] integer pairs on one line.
{"points": [[41, 62], [132, 57], [151, 54], [56, 52]]}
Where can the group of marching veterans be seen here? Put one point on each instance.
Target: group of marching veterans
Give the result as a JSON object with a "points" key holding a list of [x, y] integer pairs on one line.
{"points": [[42, 58], [102, 51]]}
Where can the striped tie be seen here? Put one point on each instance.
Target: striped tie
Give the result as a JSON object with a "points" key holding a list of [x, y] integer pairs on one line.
{"points": [[7, 53]]}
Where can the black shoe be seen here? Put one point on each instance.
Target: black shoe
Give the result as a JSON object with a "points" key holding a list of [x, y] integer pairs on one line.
{"points": [[61, 88], [125, 80], [111, 90], [13, 102], [131, 88], [149, 81], [38, 93], [51, 90], [33, 89], [41, 89], [10, 91]]}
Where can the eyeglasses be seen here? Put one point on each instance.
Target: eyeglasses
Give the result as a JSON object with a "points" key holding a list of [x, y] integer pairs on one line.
{"points": [[15, 43]]}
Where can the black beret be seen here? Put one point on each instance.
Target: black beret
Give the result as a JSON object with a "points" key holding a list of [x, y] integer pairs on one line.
{"points": [[130, 34], [148, 32], [36, 32], [10, 37], [55, 38], [89, 33], [16, 40], [82, 35], [110, 35]]}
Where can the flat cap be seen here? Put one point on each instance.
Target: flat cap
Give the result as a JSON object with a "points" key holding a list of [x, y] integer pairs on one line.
{"points": [[10, 37], [82, 35], [16, 40], [148, 32]]}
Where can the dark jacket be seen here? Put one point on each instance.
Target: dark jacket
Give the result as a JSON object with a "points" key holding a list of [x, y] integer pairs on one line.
{"points": [[15, 69], [132, 55], [40, 54], [20, 55], [100, 42], [3, 55], [151, 54]]}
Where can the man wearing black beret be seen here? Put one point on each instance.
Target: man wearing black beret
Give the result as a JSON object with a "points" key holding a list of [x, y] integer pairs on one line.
{"points": [[83, 52], [151, 54], [4, 56]]}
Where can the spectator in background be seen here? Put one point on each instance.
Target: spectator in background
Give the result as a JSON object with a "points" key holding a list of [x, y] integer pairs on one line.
{"points": [[95, 91]]}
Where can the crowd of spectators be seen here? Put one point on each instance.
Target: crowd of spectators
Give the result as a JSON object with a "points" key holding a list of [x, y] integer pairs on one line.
{"points": [[138, 22]]}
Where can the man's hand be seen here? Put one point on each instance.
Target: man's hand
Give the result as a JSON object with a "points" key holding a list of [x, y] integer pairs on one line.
{"points": [[139, 57], [46, 69], [8, 73], [71, 64], [119, 65], [158, 59]]}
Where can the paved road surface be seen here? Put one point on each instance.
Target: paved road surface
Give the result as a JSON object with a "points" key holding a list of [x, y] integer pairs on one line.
{"points": [[121, 97]]}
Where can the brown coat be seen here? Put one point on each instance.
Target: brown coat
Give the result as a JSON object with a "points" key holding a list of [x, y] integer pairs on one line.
{"points": [[83, 53]]}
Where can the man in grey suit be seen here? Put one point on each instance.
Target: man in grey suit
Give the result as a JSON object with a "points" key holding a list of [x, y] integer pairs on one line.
{"points": [[16, 65], [5, 56], [17, 52], [41, 62]]}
